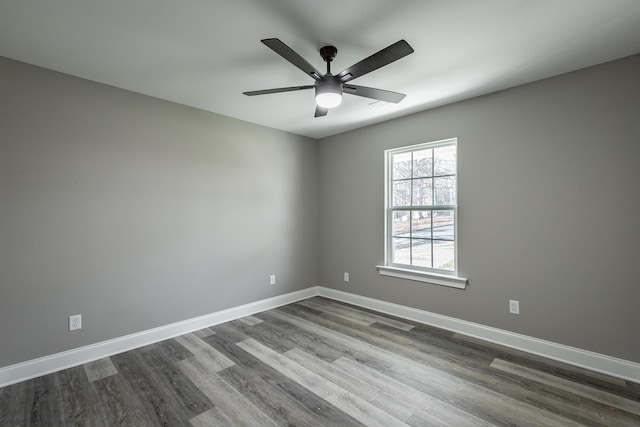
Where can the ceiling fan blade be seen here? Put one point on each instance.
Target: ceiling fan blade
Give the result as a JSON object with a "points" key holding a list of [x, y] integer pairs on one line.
{"points": [[290, 55], [379, 59], [370, 92], [277, 90], [321, 111]]}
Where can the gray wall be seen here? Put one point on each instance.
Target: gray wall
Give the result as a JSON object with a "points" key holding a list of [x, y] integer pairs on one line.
{"points": [[549, 208], [136, 212]]}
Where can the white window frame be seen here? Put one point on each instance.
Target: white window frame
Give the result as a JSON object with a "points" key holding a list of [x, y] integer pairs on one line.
{"points": [[422, 274]]}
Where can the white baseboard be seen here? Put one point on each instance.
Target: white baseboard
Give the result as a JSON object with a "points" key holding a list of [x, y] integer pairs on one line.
{"points": [[615, 367], [56, 362], [586, 359]]}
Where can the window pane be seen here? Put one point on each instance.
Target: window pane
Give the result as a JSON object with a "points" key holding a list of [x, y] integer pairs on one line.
{"points": [[443, 255], [401, 193], [422, 187], [421, 224], [422, 163], [445, 190], [401, 251], [400, 224], [443, 225], [421, 250], [402, 166], [444, 159], [422, 194]]}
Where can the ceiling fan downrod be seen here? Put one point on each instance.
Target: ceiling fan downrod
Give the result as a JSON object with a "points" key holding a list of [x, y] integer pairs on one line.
{"points": [[328, 54]]}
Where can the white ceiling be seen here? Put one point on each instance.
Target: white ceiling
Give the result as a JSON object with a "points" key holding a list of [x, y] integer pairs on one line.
{"points": [[206, 53]]}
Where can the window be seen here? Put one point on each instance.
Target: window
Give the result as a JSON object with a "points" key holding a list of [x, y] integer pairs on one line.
{"points": [[421, 213]]}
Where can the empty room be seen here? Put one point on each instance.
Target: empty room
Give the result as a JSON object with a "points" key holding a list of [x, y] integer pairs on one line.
{"points": [[319, 213]]}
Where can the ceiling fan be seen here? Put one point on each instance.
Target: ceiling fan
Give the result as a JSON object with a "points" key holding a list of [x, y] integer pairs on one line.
{"points": [[329, 88]]}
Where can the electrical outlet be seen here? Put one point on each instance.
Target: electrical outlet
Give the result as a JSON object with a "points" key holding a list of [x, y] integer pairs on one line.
{"points": [[272, 279], [75, 322], [346, 276], [514, 306]]}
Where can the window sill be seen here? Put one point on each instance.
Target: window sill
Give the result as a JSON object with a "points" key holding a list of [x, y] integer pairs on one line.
{"points": [[423, 276]]}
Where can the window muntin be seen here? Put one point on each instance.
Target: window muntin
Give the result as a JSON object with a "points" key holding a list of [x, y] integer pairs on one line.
{"points": [[421, 209]]}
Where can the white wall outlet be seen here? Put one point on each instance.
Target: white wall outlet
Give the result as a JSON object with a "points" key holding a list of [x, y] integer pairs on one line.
{"points": [[514, 306], [272, 279], [75, 322], [346, 276]]}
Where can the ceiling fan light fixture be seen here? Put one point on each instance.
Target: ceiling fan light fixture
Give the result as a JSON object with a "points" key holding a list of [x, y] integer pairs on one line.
{"points": [[328, 99], [328, 94]]}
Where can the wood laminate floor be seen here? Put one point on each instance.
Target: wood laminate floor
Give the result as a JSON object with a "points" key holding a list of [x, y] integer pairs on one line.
{"points": [[319, 362]]}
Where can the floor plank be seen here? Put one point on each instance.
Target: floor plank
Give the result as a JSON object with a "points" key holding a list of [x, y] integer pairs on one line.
{"points": [[76, 398], [207, 355], [11, 402], [121, 404], [153, 389], [223, 396], [250, 320], [99, 369]]}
